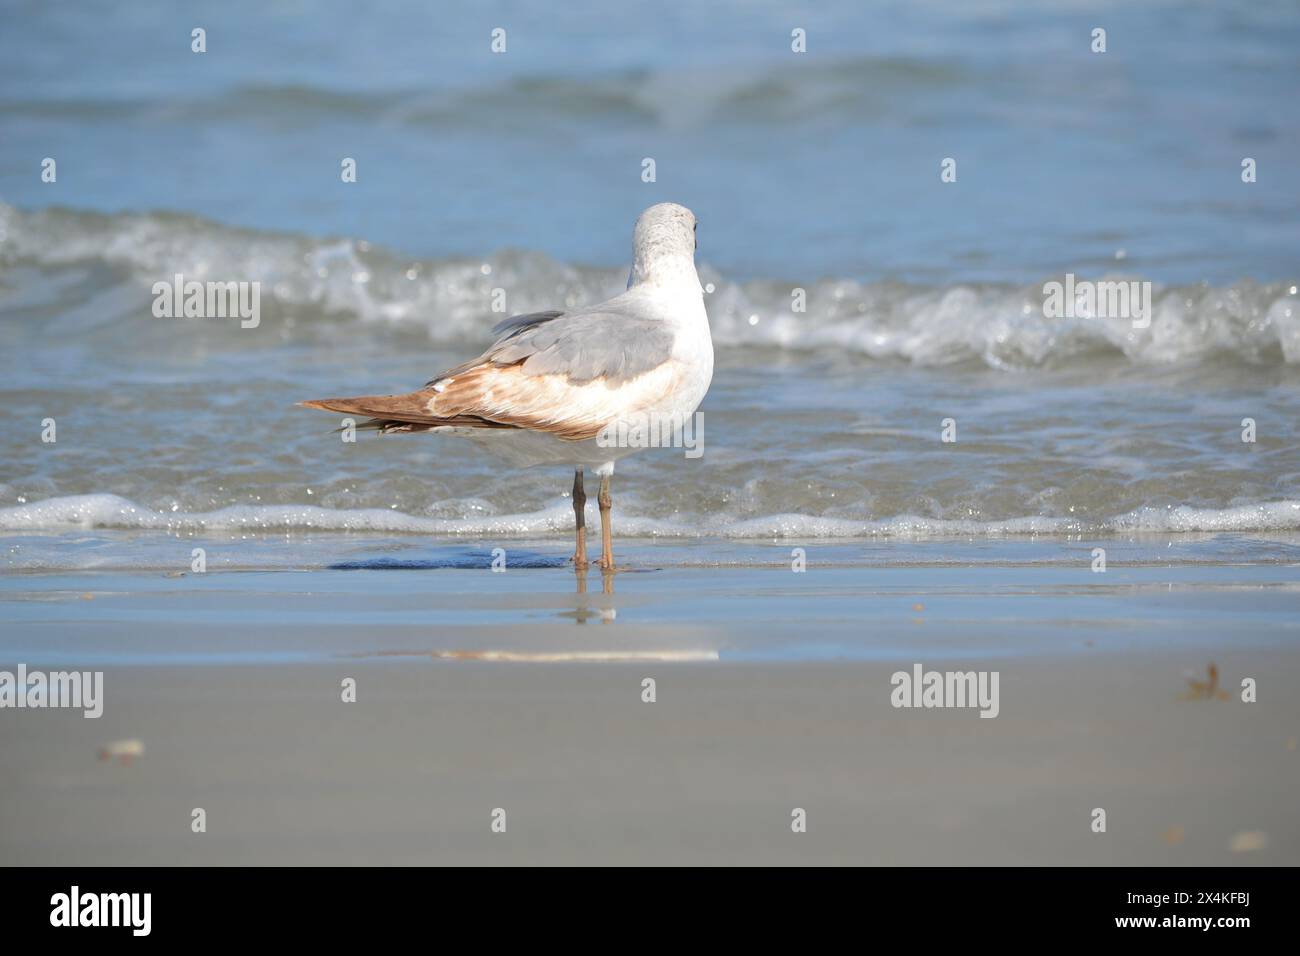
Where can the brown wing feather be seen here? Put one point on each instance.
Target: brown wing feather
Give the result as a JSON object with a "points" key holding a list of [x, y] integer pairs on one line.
{"points": [[411, 408], [491, 395], [505, 394], [474, 397]]}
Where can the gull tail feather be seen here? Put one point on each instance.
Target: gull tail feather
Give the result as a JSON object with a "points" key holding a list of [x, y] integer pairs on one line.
{"points": [[397, 413]]}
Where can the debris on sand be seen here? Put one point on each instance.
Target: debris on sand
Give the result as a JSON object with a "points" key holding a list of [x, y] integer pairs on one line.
{"points": [[1247, 841], [124, 750], [1207, 689]]}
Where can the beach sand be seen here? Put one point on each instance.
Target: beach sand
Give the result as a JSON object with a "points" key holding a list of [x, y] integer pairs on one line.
{"points": [[772, 693]]}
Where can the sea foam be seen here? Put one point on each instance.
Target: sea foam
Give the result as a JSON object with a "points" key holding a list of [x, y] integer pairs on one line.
{"points": [[114, 512], [343, 280]]}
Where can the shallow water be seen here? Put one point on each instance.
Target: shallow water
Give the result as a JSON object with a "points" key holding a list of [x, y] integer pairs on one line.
{"points": [[372, 613]]}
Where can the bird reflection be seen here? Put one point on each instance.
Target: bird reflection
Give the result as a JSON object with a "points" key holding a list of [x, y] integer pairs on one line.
{"points": [[606, 581], [582, 612]]}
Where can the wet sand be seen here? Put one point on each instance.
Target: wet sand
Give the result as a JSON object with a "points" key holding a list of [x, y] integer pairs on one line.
{"points": [[773, 693]]}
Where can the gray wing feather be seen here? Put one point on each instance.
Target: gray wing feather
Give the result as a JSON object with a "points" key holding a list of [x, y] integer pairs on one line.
{"points": [[583, 345], [518, 322]]}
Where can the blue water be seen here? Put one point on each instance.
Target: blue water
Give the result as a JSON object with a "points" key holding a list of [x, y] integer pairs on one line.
{"points": [[799, 166], [523, 171]]}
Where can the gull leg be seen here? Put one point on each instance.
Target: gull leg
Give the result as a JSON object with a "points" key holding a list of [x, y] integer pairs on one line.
{"points": [[580, 521], [607, 547]]}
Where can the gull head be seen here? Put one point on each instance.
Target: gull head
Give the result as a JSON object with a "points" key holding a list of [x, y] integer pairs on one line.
{"points": [[663, 244]]}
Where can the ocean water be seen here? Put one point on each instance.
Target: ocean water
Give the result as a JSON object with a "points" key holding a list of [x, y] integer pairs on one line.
{"points": [[522, 171]]}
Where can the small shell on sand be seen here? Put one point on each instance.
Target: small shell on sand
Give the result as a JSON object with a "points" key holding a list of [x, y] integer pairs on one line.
{"points": [[123, 750], [1248, 840]]}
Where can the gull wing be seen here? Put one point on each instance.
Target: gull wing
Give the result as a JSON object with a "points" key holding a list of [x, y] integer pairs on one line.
{"points": [[567, 374], [608, 342]]}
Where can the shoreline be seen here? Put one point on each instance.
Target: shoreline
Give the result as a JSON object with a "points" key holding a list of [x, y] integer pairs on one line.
{"points": [[477, 690], [85, 550]]}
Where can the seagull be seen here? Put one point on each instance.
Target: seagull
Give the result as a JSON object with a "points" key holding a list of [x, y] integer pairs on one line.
{"points": [[555, 386]]}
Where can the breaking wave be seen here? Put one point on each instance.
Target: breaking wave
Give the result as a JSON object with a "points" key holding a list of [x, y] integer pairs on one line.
{"points": [[115, 512], [330, 283]]}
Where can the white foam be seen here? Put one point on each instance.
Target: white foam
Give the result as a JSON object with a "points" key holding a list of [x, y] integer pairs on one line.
{"points": [[344, 279], [113, 511], [1265, 516]]}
